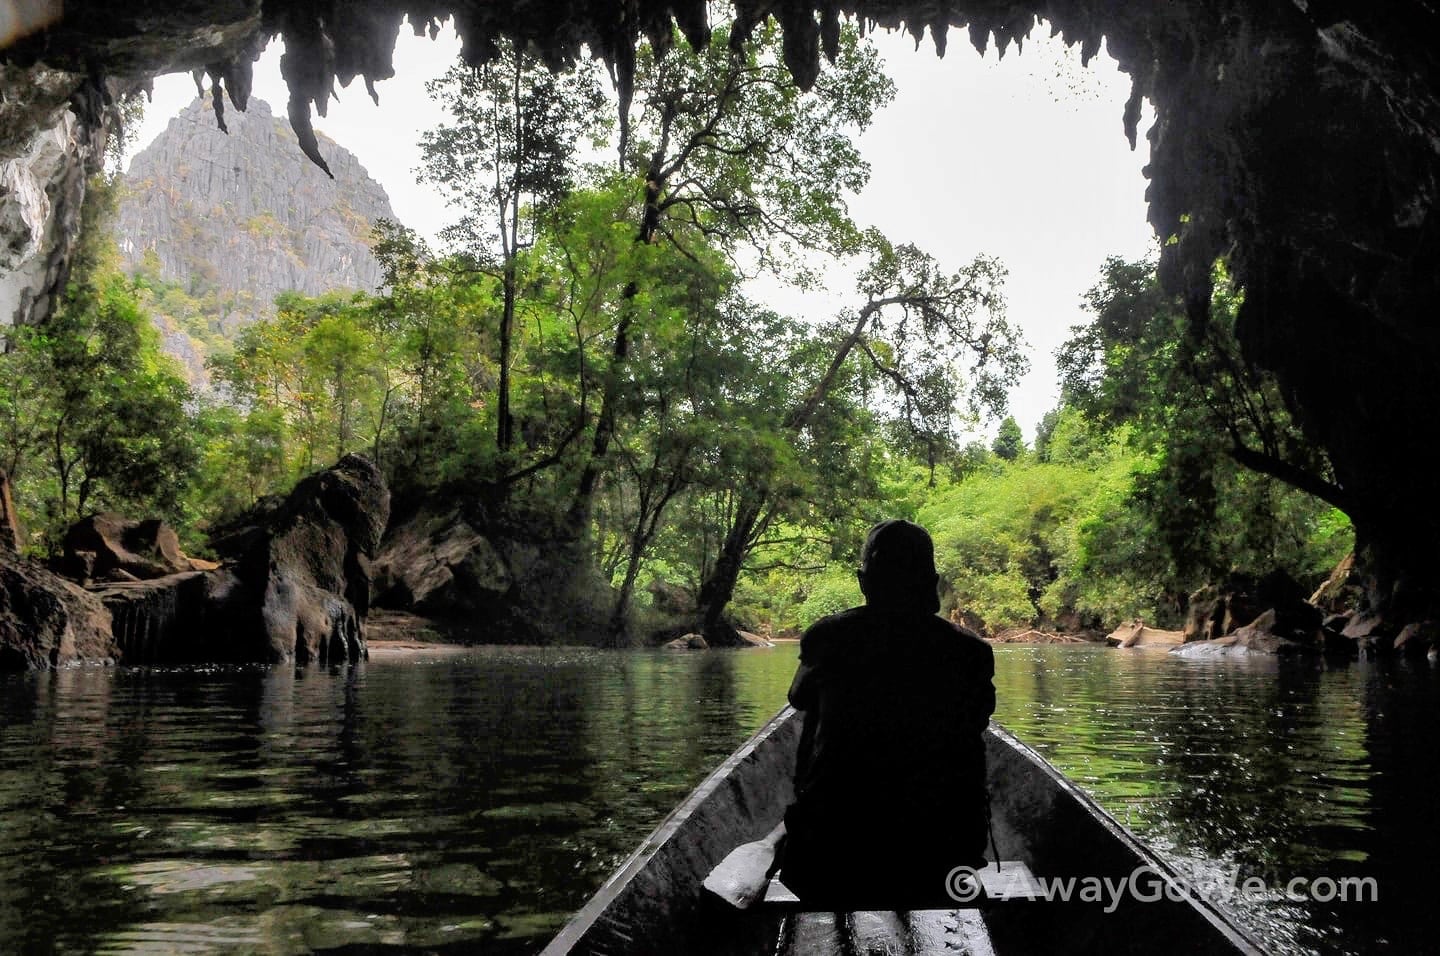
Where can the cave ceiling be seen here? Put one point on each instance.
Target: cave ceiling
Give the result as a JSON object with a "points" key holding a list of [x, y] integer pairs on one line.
{"points": [[1263, 108], [1301, 140]]}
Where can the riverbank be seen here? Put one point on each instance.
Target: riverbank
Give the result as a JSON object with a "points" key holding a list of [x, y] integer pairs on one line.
{"points": [[400, 650]]}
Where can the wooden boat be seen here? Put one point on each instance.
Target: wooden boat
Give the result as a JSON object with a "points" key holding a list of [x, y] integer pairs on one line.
{"points": [[1045, 826]]}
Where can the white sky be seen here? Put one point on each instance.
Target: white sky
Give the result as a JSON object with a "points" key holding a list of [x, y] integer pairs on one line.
{"points": [[1023, 158]]}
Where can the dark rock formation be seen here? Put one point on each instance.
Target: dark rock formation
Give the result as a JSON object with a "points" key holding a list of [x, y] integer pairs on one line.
{"points": [[1224, 621], [235, 220], [1217, 611], [670, 600], [161, 621], [98, 546], [688, 642], [47, 622], [437, 564], [297, 583], [297, 588], [1260, 636], [489, 577]]}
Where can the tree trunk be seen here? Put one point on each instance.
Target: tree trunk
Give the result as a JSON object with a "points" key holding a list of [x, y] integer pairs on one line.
{"points": [[579, 516], [12, 537], [505, 425], [719, 586]]}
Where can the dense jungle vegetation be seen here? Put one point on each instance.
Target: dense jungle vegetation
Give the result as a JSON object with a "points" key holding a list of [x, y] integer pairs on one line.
{"points": [[582, 355]]}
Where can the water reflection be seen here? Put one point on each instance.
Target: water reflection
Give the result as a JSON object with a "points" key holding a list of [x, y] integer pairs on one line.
{"points": [[471, 803]]}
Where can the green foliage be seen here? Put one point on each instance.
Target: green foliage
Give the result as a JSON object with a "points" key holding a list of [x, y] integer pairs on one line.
{"points": [[92, 415], [1233, 484], [507, 151], [1009, 441], [626, 393], [734, 154]]}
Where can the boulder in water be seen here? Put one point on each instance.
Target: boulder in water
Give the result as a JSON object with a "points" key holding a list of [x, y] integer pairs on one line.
{"points": [[688, 642], [47, 622], [298, 584], [1260, 636]]}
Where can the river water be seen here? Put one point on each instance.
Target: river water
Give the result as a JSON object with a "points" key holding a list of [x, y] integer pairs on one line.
{"points": [[469, 804]]}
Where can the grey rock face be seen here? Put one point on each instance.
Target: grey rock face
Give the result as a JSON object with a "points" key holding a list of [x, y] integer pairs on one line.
{"points": [[237, 218], [41, 192]]}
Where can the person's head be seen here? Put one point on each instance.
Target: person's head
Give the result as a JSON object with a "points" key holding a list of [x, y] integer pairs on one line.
{"points": [[897, 567]]}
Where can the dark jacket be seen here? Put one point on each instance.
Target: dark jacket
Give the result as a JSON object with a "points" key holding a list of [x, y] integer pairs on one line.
{"points": [[890, 784]]}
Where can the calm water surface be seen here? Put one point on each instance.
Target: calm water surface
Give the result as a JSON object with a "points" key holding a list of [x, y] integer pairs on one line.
{"points": [[470, 804]]}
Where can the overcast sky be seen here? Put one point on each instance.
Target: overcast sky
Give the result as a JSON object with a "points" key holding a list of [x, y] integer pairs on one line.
{"points": [[1023, 158]]}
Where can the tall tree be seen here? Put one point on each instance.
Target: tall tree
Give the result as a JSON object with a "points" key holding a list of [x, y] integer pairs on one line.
{"points": [[914, 321], [732, 153], [92, 414], [1009, 440], [506, 156]]}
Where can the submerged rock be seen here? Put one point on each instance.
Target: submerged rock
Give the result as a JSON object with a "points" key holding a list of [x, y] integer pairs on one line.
{"points": [[1136, 634], [47, 622]]}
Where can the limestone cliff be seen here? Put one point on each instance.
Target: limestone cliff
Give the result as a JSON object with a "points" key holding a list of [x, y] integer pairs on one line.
{"points": [[232, 220]]}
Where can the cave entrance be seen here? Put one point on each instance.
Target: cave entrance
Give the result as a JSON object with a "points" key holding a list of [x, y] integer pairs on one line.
{"points": [[1020, 156]]}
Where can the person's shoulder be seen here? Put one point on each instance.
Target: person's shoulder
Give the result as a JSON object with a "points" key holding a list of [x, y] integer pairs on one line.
{"points": [[842, 622], [831, 629], [966, 639]]}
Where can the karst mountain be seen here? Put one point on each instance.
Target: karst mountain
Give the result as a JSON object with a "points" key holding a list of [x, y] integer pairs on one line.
{"points": [[219, 223]]}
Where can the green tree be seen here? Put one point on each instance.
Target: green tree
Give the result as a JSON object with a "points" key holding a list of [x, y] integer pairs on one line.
{"points": [[1223, 445], [505, 157], [320, 364], [94, 416], [915, 319], [732, 154], [1009, 441]]}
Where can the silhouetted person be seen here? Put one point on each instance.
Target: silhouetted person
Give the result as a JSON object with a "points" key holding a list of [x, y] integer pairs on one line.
{"points": [[890, 783]]}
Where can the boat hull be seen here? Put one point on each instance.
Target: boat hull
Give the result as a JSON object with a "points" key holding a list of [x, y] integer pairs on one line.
{"points": [[654, 903]]}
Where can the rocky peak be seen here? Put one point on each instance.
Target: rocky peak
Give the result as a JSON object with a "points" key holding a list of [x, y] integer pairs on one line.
{"points": [[233, 219]]}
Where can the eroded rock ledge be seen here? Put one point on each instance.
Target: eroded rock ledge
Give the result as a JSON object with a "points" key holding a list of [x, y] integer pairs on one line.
{"points": [[295, 587]]}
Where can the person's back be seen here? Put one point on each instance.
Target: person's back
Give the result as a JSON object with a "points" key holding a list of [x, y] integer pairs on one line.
{"points": [[890, 787]]}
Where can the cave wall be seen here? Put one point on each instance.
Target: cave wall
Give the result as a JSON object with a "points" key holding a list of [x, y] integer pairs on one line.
{"points": [[1300, 139], [42, 187]]}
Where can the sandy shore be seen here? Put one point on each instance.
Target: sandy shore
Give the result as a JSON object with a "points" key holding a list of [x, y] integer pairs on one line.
{"points": [[412, 650]]}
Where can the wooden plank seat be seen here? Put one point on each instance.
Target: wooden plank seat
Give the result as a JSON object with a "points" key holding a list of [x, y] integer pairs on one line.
{"points": [[956, 931], [916, 933]]}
